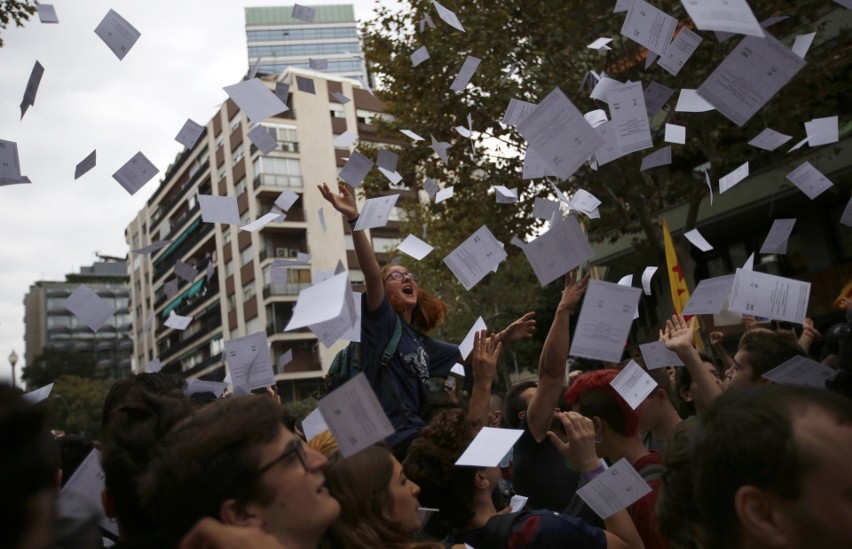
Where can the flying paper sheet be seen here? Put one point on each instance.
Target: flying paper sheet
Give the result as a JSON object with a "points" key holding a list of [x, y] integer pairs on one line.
{"points": [[466, 346], [733, 178], [32, 88], [776, 240], [633, 384], [261, 222], [558, 251], [34, 397], [690, 101], [194, 386], [489, 447], [802, 44], [679, 51], [517, 111], [822, 131], [314, 424], [255, 100], [135, 173], [153, 366], [605, 319], [286, 200], [477, 256], [656, 355], [219, 209], [263, 139], [419, 55], [80, 498], [355, 416], [303, 13], [189, 133], [248, 361], [47, 13], [656, 96], [443, 194], [647, 274], [340, 97], [627, 108], [117, 34], [317, 65], [91, 309], [10, 166], [769, 140], [660, 157], [465, 73], [345, 139], [86, 164], [356, 169], [709, 296], [776, 298], [734, 16], [411, 134], [649, 26], [177, 322], [415, 247], [448, 16], [697, 240], [675, 134], [376, 212], [809, 180], [185, 271]]}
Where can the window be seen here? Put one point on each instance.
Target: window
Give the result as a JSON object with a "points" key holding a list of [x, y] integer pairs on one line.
{"points": [[220, 141], [290, 50], [235, 121], [337, 110], [383, 244], [253, 325], [356, 276], [240, 187], [278, 172], [226, 235], [229, 268], [284, 134], [248, 290], [238, 153], [348, 243], [301, 34], [246, 255], [222, 171], [217, 346]]}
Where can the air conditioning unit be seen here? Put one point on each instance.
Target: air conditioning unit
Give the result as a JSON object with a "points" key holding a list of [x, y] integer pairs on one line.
{"points": [[286, 252]]}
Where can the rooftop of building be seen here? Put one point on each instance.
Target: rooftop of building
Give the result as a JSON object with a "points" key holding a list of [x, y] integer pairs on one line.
{"points": [[282, 15]]}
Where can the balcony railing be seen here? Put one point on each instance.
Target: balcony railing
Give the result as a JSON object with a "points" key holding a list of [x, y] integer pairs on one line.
{"points": [[278, 180], [290, 288], [205, 331]]}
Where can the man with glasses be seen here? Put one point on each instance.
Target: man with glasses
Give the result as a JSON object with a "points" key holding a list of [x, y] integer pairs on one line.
{"points": [[234, 461]]}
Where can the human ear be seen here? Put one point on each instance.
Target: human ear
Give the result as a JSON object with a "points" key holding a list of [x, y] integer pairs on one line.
{"points": [[231, 512], [480, 481], [761, 516]]}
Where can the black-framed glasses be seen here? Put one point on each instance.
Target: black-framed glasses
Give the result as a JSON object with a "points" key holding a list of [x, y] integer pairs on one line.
{"points": [[297, 451], [399, 276]]}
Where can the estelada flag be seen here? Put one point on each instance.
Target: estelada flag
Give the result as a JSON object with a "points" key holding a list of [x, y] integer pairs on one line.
{"points": [[677, 283]]}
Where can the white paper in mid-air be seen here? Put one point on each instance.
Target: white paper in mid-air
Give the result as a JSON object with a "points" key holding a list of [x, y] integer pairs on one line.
{"points": [[709, 296], [558, 251], [517, 111], [534, 167], [303, 13], [466, 346], [750, 75], [809, 180], [80, 498], [419, 55], [10, 165], [614, 489], [248, 361], [649, 26], [679, 51], [32, 88], [189, 133], [505, 195], [801, 370], [776, 240], [177, 321], [263, 139], [185, 271], [89, 307], [489, 447], [600, 44], [822, 131], [773, 297], [135, 173], [262, 221], [660, 157], [544, 208], [345, 139], [633, 384], [690, 101], [559, 133], [802, 44], [846, 216], [355, 416], [219, 209], [117, 34], [769, 140], [656, 355], [465, 73], [630, 119], [34, 397], [731, 179], [47, 13], [656, 96], [734, 16], [411, 134], [356, 169], [605, 319], [325, 307], [697, 239], [314, 424], [448, 16], [444, 194], [153, 366], [675, 134], [474, 258], [86, 164], [647, 275], [255, 100], [376, 212], [440, 148], [286, 200], [415, 247]]}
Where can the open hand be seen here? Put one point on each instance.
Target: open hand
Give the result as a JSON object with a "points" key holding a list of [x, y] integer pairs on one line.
{"points": [[573, 291], [678, 334], [523, 328], [486, 351], [343, 201], [580, 448]]}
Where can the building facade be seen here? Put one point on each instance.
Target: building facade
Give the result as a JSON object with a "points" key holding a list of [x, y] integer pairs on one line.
{"points": [[331, 40], [238, 299], [47, 323]]}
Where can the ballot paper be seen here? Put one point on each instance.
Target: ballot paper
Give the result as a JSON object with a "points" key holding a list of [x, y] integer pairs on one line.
{"points": [[210, 269], [649, 26], [647, 274], [32, 88], [393, 177], [798, 145], [656, 96], [355, 416], [326, 308], [679, 51], [465, 73], [219, 209], [255, 100], [34, 397], [387, 159], [153, 366], [345, 139], [656, 355], [135, 173], [505, 195], [177, 321], [248, 361], [321, 217], [603, 86], [303, 13], [47, 13], [171, 288], [117, 34], [305, 85], [282, 92], [91, 309], [627, 108], [776, 240], [448, 16], [489, 447], [189, 133], [185, 271], [261, 222], [419, 55], [80, 498], [10, 166], [690, 101], [605, 319], [709, 296], [801, 370], [559, 133], [457, 369], [584, 201], [734, 16], [440, 148], [675, 134], [477, 256], [750, 75], [534, 167], [415, 247], [263, 139], [728, 181], [466, 345], [622, 6], [822, 131], [660, 157], [376, 212], [284, 360], [194, 386], [633, 384], [517, 502], [776, 298], [600, 44], [697, 240], [444, 194], [286, 200], [340, 97], [411, 134], [562, 248], [802, 44], [614, 489], [544, 208], [769, 140], [709, 186], [809, 180], [86, 164], [314, 424], [356, 169]]}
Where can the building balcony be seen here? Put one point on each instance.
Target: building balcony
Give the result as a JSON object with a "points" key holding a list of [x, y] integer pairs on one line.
{"points": [[278, 181], [288, 289], [203, 365]]}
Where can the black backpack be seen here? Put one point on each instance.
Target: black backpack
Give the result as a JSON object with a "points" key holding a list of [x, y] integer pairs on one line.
{"points": [[347, 363]]}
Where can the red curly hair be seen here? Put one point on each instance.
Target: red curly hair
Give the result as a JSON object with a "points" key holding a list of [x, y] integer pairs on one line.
{"points": [[594, 397], [428, 313]]}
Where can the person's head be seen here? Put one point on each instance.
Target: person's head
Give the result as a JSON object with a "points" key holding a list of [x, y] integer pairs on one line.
{"points": [[378, 503], [495, 411], [686, 389], [592, 395], [405, 296], [760, 351], [235, 461], [156, 383], [659, 405], [517, 400], [676, 509], [29, 473], [771, 468], [431, 464]]}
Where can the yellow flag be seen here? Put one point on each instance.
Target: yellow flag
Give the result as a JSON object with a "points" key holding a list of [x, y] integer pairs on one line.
{"points": [[680, 292]]}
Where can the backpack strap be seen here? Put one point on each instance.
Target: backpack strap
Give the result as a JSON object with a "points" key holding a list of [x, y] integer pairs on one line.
{"points": [[393, 344], [498, 529]]}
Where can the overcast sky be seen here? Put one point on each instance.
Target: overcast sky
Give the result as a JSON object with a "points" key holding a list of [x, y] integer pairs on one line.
{"points": [[88, 99]]}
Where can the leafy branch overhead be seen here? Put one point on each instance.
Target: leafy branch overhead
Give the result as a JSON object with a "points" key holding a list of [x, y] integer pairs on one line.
{"points": [[13, 11]]}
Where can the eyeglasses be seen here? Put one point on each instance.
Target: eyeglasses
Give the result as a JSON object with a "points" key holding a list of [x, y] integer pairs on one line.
{"points": [[400, 276], [297, 451]]}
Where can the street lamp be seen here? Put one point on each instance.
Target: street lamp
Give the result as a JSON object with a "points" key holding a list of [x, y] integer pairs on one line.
{"points": [[13, 359]]}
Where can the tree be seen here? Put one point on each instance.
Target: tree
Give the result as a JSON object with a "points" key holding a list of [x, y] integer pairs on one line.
{"points": [[51, 364], [76, 404], [14, 11], [527, 50]]}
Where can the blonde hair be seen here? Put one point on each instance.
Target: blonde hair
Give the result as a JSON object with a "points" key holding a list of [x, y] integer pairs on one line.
{"points": [[323, 443]]}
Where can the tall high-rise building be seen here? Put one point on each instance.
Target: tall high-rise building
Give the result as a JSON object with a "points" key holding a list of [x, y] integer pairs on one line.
{"points": [[48, 323], [329, 44], [238, 298]]}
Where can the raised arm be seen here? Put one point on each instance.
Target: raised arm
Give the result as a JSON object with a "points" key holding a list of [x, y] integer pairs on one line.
{"points": [[551, 363], [678, 337], [344, 202], [719, 349], [486, 351]]}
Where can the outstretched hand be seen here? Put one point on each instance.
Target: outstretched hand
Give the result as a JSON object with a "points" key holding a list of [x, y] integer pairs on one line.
{"points": [[486, 351], [573, 291], [523, 328], [343, 201], [678, 334], [580, 448]]}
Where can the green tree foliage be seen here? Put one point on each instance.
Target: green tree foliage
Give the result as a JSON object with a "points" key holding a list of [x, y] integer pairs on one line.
{"points": [[76, 403], [13, 11], [51, 364]]}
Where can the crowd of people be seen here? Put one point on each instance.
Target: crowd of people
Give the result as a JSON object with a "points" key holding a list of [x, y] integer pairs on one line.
{"points": [[731, 459]]}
